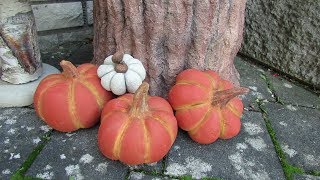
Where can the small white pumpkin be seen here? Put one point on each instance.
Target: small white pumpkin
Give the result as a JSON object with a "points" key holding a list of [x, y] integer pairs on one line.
{"points": [[120, 73]]}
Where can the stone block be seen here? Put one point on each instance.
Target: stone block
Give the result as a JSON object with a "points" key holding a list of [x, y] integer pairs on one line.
{"points": [[48, 41], [250, 77], [58, 15], [297, 130], [90, 12], [250, 155], [84, 34], [293, 94], [285, 35]]}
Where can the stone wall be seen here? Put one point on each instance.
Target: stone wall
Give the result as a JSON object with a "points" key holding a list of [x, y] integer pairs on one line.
{"points": [[65, 30], [285, 35]]}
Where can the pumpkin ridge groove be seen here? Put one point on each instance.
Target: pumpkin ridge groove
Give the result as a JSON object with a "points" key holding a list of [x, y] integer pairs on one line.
{"points": [[189, 106], [72, 105], [233, 110], [50, 85], [94, 92], [147, 144], [118, 141], [222, 123], [165, 126], [135, 72], [198, 125], [86, 69], [193, 83], [90, 76]]}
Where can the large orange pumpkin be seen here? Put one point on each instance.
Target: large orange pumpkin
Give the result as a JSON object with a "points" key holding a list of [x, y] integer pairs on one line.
{"points": [[71, 100], [137, 129], [206, 105]]}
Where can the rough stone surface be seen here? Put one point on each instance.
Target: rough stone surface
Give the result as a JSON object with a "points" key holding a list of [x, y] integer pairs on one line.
{"points": [[76, 52], [293, 94], [18, 95], [20, 132], [141, 175], [89, 12], [246, 156], [80, 35], [47, 42], [60, 15], [305, 177], [169, 36], [297, 130], [250, 77], [75, 155], [285, 35]]}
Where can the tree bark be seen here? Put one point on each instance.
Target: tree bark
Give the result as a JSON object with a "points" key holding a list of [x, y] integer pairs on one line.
{"points": [[19, 52], [170, 36]]}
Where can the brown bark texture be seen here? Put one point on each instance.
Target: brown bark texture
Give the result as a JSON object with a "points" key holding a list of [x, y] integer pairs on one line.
{"points": [[169, 36]]}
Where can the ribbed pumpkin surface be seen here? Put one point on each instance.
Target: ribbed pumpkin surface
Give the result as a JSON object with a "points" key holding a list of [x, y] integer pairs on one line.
{"points": [[71, 100], [206, 105], [137, 129]]}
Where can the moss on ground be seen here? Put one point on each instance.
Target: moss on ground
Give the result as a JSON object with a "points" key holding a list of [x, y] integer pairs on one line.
{"points": [[19, 174]]}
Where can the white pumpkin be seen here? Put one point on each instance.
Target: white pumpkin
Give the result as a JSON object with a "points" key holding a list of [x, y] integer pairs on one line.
{"points": [[121, 73]]}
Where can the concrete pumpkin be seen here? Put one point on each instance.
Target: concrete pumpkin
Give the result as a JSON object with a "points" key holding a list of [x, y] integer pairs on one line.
{"points": [[121, 73], [71, 100], [137, 129], [206, 105]]}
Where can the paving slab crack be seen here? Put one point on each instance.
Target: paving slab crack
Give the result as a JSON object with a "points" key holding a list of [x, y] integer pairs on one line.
{"points": [[288, 169], [19, 174], [271, 88]]}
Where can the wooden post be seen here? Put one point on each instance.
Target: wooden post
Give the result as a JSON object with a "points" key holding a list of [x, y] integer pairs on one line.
{"points": [[19, 52]]}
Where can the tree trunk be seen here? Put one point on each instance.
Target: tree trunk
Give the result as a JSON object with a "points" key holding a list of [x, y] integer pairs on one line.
{"points": [[170, 36], [19, 52]]}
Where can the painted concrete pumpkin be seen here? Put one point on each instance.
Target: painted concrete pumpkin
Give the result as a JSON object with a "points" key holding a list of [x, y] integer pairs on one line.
{"points": [[206, 106], [71, 100], [137, 129], [121, 73]]}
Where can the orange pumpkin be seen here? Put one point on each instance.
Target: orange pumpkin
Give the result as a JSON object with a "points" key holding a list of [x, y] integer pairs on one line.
{"points": [[206, 106], [71, 100], [137, 129]]}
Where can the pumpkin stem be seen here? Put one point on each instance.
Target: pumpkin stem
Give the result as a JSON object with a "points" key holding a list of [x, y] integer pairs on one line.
{"points": [[120, 66], [69, 70], [139, 105], [224, 96]]}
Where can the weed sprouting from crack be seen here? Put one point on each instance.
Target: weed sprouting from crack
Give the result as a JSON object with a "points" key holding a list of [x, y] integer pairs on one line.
{"points": [[288, 169], [271, 88], [19, 174], [163, 164]]}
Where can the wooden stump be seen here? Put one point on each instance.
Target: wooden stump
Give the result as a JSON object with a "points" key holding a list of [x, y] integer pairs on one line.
{"points": [[170, 36]]}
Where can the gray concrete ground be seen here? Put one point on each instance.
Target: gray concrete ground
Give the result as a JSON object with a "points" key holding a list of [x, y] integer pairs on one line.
{"points": [[279, 139]]}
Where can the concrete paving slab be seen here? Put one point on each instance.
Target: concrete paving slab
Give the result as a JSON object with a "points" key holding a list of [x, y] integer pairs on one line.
{"points": [[140, 175], [250, 77], [294, 94], [250, 155], [77, 155], [297, 130], [305, 177], [20, 132]]}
